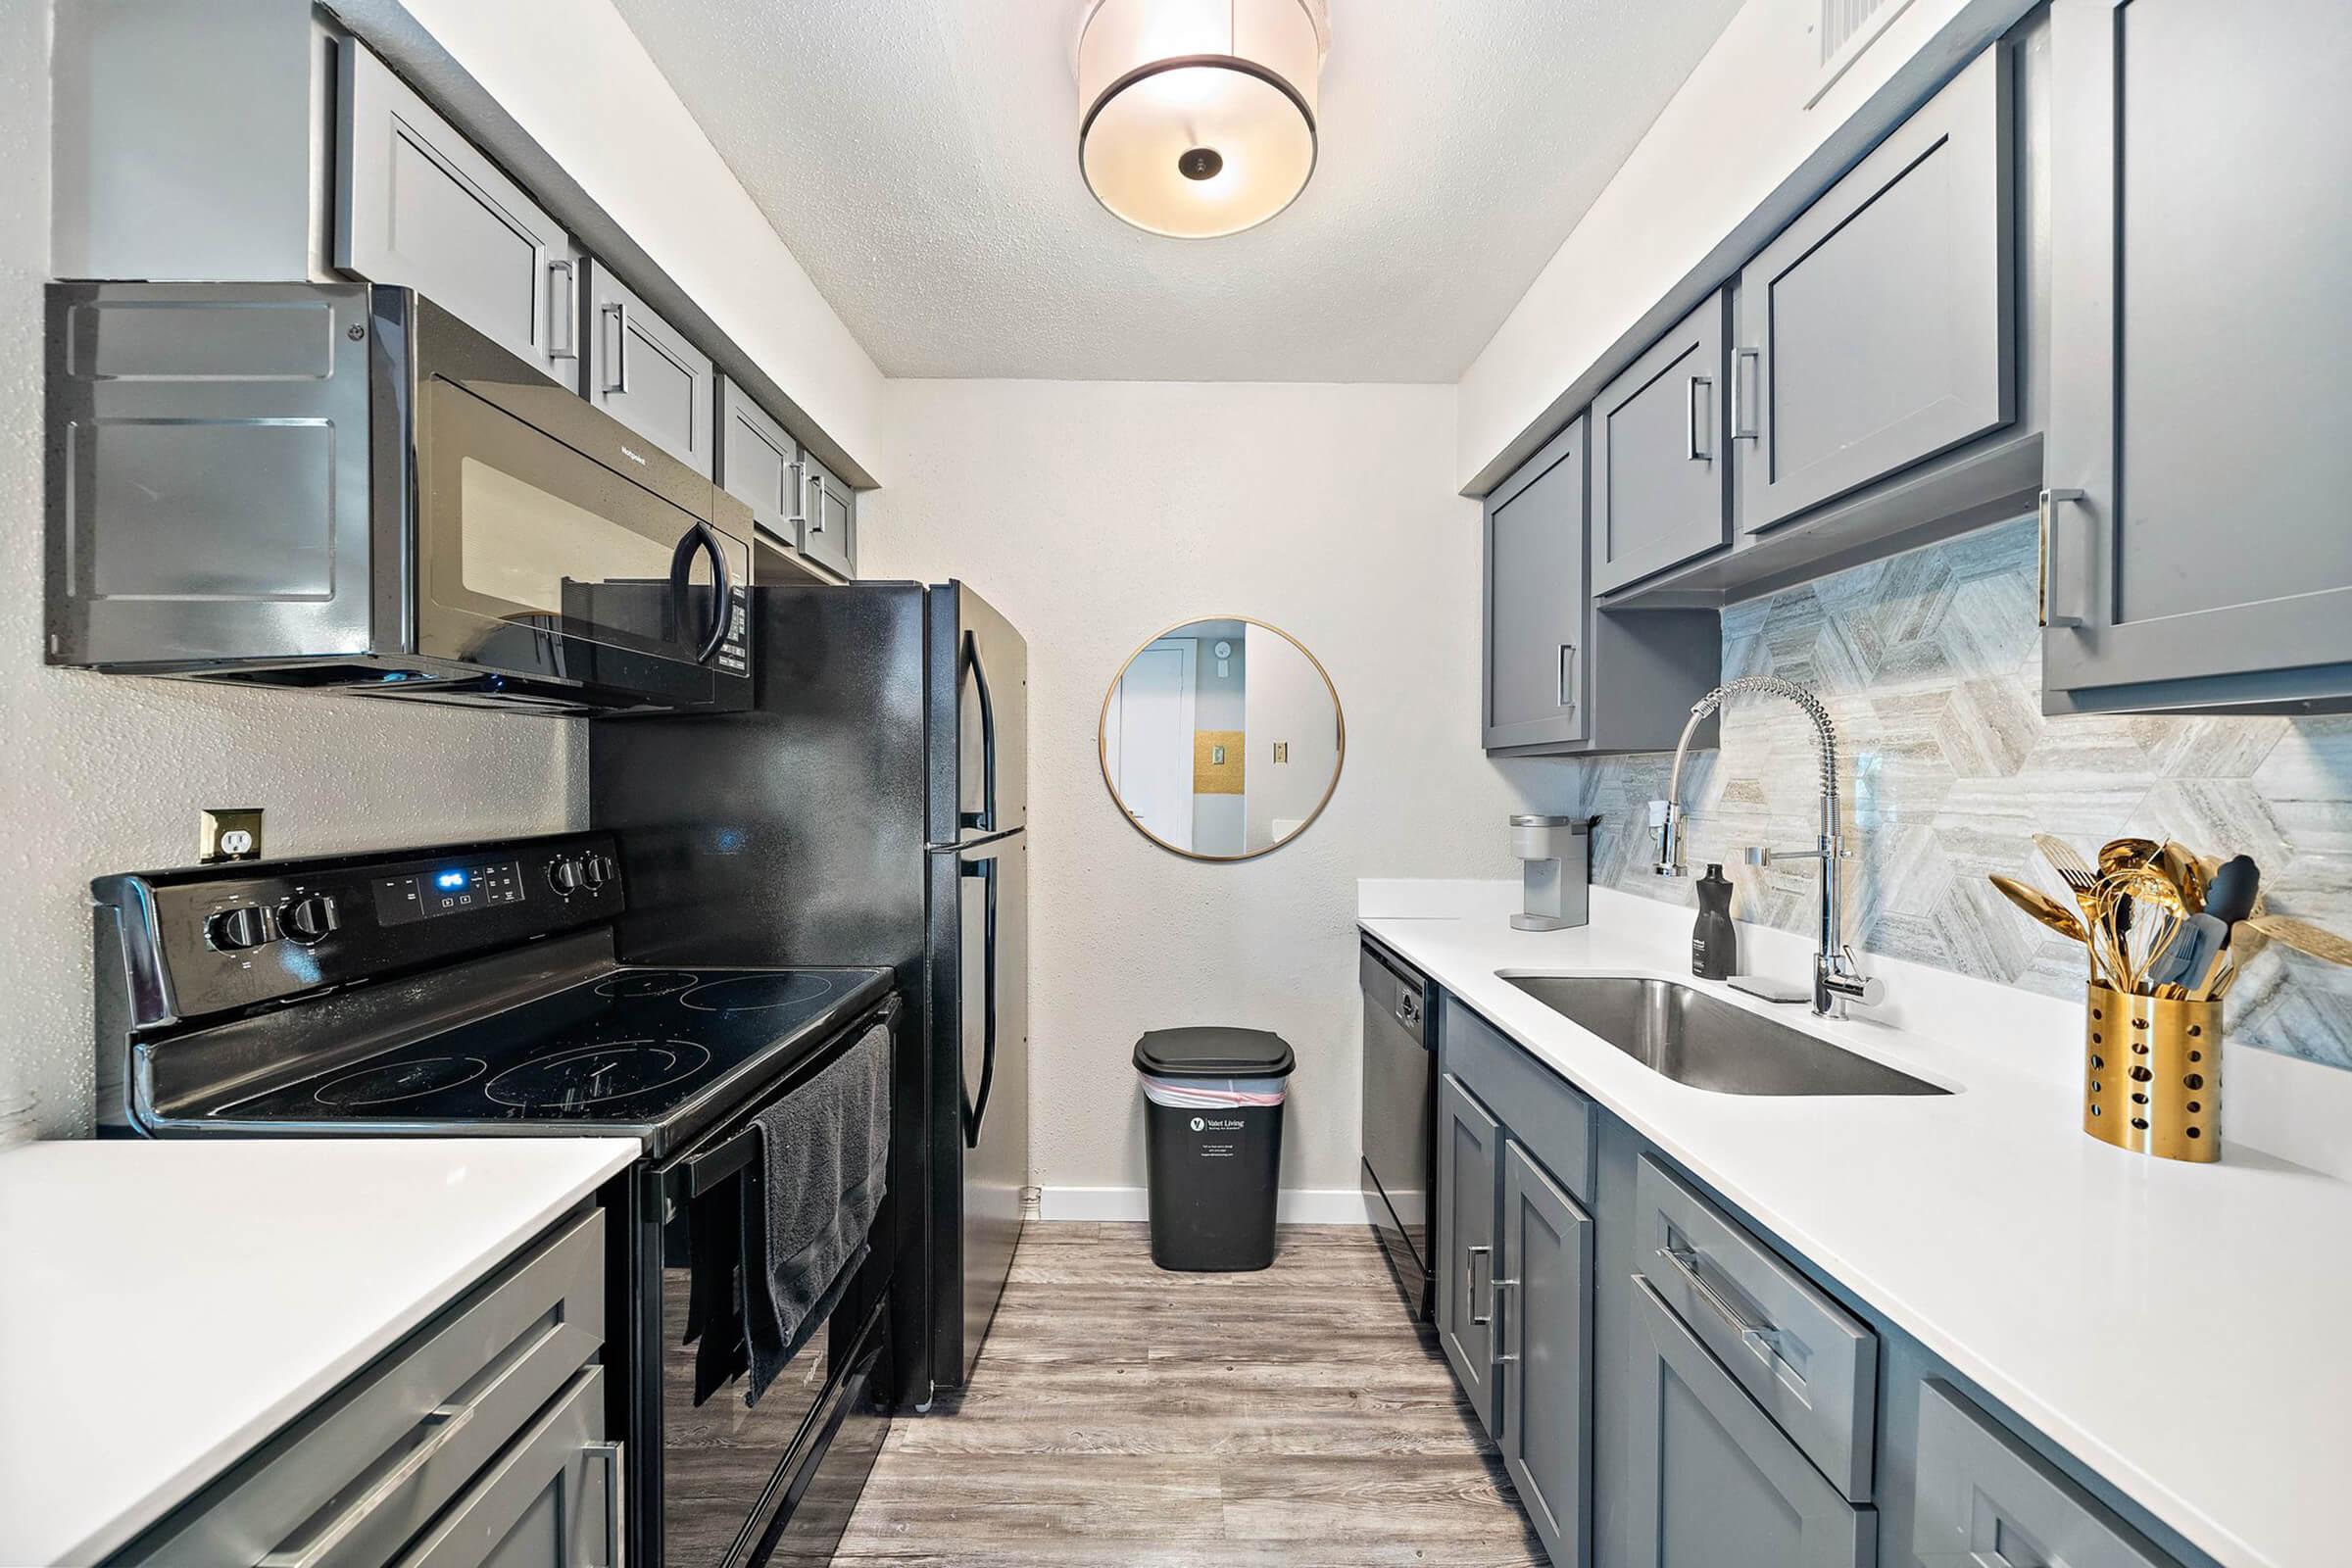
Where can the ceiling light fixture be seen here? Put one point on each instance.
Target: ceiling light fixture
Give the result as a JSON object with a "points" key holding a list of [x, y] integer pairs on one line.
{"points": [[1197, 118]]}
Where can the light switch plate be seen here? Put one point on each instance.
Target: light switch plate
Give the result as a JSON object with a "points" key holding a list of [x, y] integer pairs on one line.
{"points": [[228, 833]]}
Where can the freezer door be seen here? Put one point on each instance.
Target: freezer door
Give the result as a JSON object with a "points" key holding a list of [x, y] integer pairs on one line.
{"points": [[979, 686], [979, 1132]]}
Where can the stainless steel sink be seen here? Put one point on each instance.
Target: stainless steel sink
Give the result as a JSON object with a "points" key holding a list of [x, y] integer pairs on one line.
{"points": [[1694, 1039]]}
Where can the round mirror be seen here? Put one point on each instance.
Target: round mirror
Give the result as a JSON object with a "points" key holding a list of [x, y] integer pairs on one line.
{"points": [[1222, 739]]}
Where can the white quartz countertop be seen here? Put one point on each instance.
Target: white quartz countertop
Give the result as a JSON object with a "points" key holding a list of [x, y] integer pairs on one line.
{"points": [[2180, 1329], [165, 1307]]}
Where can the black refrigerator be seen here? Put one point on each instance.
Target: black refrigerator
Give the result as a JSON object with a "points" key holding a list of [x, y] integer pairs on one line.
{"points": [[869, 807]]}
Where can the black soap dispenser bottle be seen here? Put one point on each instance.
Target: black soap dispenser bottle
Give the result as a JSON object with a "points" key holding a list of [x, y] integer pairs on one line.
{"points": [[1714, 940]]}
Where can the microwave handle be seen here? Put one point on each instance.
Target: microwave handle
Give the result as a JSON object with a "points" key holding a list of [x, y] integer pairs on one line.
{"points": [[704, 538]]}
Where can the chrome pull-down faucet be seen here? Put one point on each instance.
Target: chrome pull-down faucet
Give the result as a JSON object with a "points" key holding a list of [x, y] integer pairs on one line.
{"points": [[1837, 978]]}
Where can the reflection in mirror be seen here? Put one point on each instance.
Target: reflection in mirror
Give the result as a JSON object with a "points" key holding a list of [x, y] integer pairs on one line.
{"points": [[1222, 739]]}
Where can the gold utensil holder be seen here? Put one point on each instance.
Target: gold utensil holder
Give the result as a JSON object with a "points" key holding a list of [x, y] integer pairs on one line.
{"points": [[2152, 1074]]}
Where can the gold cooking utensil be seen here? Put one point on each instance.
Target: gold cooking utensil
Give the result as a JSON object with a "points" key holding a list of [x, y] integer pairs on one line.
{"points": [[2042, 907], [2300, 935], [2118, 855], [2188, 874]]}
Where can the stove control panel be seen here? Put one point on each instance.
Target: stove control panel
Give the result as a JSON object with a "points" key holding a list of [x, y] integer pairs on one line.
{"points": [[214, 939]]}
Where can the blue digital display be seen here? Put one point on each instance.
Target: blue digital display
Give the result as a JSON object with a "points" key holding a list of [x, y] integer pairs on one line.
{"points": [[449, 881]]}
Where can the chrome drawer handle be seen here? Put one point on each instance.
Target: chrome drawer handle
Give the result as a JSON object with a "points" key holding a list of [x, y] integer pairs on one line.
{"points": [[616, 1517], [1684, 1262], [449, 1420]]}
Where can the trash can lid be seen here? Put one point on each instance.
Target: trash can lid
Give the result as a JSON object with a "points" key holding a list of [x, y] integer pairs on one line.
{"points": [[1214, 1052]]}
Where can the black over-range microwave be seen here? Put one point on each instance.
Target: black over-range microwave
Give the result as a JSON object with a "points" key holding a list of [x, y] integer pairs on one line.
{"points": [[344, 486]]}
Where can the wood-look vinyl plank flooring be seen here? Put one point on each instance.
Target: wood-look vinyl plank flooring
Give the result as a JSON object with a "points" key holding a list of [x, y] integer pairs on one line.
{"points": [[1122, 1414]]}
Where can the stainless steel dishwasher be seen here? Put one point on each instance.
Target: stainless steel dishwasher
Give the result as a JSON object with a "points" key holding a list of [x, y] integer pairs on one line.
{"points": [[1400, 1078]]}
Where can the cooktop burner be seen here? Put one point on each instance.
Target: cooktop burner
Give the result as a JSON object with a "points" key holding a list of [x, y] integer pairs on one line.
{"points": [[634, 1049], [592, 1074], [757, 992], [646, 983], [406, 1080]]}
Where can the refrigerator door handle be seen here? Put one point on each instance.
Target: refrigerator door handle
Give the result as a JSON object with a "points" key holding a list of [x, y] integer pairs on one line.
{"points": [[985, 817], [977, 1106]]}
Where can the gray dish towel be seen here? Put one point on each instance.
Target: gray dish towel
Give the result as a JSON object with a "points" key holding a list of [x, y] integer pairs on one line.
{"points": [[809, 1197]]}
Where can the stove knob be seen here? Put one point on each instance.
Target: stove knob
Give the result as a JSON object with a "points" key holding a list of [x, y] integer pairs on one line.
{"points": [[598, 869], [308, 919], [245, 926], [565, 877]]}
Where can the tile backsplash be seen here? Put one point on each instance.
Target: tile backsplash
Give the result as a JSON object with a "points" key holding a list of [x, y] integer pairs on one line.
{"points": [[1930, 666]]}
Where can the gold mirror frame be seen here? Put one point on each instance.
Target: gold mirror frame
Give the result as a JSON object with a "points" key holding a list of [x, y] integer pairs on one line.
{"points": [[1339, 713]]}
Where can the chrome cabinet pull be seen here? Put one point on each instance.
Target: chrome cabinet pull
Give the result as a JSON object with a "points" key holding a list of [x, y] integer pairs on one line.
{"points": [[615, 1512], [447, 1421], [1739, 429], [1567, 670], [1684, 1262], [1470, 1285], [1495, 1290], [2048, 504], [617, 380], [1697, 453], [799, 494], [816, 514], [568, 316]]}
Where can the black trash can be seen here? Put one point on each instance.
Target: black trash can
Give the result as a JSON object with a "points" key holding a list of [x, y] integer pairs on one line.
{"points": [[1212, 1130]]}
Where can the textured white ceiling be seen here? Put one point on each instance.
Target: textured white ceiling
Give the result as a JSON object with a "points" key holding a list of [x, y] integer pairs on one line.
{"points": [[919, 157]]}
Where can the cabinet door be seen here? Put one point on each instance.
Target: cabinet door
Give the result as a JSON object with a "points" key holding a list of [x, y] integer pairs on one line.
{"points": [[1469, 1152], [416, 204], [1879, 328], [758, 464], [1661, 467], [829, 518], [552, 1501], [2195, 540], [1985, 1500], [639, 369], [1536, 600], [1545, 1310], [1713, 1481]]}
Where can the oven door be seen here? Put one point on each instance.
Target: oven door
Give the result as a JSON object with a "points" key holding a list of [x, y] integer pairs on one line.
{"points": [[536, 559]]}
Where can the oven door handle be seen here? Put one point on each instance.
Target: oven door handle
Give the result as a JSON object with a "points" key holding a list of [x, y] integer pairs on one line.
{"points": [[703, 539], [692, 1174]]}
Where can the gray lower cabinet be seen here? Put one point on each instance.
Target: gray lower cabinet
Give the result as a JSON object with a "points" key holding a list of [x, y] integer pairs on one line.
{"points": [[2195, 542], [1879, 328], [758, 464], [1543, 1309], [1985, 1500], [1469, 1162], [638, 368], [1713, 1481], [828, 517], [417, 205], [487, 1425], [1661, 464]]}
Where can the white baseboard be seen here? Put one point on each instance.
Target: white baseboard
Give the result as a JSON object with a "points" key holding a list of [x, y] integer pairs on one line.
{"points": [[1296, 1205]]}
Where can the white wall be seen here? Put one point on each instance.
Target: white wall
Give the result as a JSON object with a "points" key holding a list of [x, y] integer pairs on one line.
{"points": [[1096, 513], [106, 773], [575, 78], [1733, 157]]}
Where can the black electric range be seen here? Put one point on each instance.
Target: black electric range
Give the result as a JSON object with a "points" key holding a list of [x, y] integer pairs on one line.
{"points": [[476, 990]]}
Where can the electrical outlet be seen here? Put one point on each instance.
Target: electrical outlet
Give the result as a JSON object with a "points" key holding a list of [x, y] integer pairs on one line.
{"points": [[228, 833], [1282, 750]]}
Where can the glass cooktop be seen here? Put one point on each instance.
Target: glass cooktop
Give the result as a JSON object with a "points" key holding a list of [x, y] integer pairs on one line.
{"points": [[626, 1049]]}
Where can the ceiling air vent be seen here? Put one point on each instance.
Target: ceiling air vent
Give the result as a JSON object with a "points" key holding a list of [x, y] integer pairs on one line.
{"points": [[1845, 29]]}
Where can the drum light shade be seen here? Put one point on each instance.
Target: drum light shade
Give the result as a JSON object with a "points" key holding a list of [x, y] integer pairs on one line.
{"points": [[1197, 118]]}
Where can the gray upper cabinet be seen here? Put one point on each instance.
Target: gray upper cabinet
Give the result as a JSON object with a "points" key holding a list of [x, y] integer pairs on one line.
{"points": [[758, 464], [1879, 328], [637, 368], [1661, 465], [1985, 1499], [1469, 1160], [1543, 1308], [1713, 1481], [2196, 547], [828, 517], [416, 204], [1536, 600]]}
